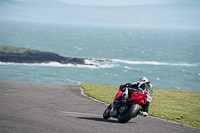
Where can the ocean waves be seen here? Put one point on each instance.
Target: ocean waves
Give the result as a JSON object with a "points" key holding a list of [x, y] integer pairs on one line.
{"points": [[154, 63], [103, 63], [88, 64]]}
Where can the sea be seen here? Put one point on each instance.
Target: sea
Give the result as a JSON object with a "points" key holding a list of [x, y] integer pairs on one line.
{"points": [[168, 57]]}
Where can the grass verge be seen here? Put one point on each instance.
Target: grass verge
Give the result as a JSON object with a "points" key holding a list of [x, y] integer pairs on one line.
{"points": [[174, 105]]}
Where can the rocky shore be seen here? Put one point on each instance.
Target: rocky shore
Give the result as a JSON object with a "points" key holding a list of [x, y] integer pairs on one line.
{"points": [[24, 55]]}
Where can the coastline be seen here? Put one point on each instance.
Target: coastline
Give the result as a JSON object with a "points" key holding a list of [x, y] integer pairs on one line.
{"points": [[25, 55]]}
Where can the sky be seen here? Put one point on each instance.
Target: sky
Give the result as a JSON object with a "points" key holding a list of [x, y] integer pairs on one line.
{"points": [[126, 2], [122, 2], [163, 16]]}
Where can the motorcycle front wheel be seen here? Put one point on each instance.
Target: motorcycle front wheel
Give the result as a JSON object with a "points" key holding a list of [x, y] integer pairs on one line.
{"points": [[129, 113], [106, 113]]}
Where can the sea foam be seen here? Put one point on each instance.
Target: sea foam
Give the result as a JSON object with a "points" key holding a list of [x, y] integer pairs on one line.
{"points": [[152, 63], [101, 63], [89, 64]]}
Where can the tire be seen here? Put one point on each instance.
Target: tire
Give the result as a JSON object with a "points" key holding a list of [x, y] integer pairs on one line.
{"points": [[106, 113], [131, 113]]}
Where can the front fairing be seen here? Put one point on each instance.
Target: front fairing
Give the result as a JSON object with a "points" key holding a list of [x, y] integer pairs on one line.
{"points": [[118, 95]]}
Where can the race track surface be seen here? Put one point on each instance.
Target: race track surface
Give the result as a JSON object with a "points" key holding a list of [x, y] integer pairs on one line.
{"points": [[49, 108]]}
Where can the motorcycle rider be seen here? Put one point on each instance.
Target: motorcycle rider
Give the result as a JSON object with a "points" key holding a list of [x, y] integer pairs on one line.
{"points": [[144, 86]]}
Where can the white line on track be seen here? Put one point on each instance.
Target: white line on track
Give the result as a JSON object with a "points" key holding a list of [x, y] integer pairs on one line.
{"points": [[77, 114], [82, 92]]}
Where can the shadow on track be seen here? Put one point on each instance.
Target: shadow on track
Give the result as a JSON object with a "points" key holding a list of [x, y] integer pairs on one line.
{"points": [[101, 119]]}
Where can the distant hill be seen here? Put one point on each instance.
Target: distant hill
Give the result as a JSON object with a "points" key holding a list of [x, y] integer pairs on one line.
{"points": [[173, 15]]}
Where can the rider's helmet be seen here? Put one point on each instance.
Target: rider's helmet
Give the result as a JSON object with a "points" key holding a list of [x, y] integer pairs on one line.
{"points": [[144, 79]]}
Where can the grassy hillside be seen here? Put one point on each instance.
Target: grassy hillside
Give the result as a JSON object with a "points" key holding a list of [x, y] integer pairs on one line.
{"points": [[11, 49], [174, 105]]}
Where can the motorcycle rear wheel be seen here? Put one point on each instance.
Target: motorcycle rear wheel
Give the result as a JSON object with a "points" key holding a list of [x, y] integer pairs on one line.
{"points": [[130, 113]]}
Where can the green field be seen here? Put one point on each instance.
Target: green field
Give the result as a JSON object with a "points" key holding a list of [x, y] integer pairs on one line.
{"points": [[174, 105]]}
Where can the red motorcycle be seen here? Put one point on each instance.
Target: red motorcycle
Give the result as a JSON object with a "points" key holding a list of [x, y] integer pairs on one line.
{"points": [[124, 111]]}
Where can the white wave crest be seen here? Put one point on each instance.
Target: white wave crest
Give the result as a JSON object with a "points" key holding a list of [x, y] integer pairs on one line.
{"points": [[57, 64], [100, 63], [152, 63]]}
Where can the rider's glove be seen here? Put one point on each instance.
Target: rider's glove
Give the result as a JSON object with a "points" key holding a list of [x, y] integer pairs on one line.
{"points": [[122, 87]]}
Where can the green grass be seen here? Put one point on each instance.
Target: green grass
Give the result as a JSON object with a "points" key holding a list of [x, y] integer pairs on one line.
{"points": [[11, 49], [174, 105]]}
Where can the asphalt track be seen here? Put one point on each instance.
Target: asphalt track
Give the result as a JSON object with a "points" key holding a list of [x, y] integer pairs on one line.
{"points": [[48, 108]]}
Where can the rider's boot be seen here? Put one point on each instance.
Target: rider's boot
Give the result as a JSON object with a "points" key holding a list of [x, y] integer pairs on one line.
{"points": [[140, 112], [144, 114]]}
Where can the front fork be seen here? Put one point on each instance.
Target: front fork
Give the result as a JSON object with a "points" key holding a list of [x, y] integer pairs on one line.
{"points": [[125, 95], [117, 107], [112, 110]]}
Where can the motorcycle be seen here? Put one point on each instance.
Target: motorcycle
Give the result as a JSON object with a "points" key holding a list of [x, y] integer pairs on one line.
{"points": [[125, 110]]}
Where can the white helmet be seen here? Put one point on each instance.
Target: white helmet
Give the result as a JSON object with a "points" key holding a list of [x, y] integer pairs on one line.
{"points": [[144, 79]]}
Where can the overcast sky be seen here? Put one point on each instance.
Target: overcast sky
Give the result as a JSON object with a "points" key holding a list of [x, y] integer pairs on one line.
{"points": [[121, 2], [126, 2]]}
